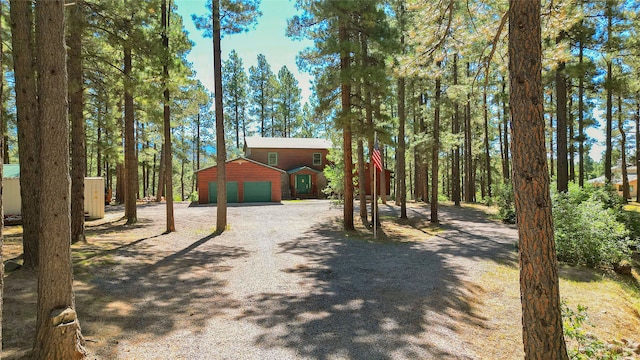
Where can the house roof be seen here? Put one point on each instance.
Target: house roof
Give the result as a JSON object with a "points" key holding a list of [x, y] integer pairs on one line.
{"points": [[244, 159], [10, 171], [298, 169], [286, 143], [615, 180]]}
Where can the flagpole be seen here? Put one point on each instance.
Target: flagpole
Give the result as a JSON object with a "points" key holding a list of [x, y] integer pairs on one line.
{"points": [[374, 200]]}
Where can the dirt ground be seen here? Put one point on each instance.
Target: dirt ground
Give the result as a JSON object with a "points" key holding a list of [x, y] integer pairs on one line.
{"points": [[285, 282]]}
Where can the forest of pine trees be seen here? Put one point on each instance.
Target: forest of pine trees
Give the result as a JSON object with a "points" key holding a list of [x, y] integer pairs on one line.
{"points": [[429, 79]]}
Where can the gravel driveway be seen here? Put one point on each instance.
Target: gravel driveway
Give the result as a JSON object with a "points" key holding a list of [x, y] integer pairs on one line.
{"points": [[285, 283]]}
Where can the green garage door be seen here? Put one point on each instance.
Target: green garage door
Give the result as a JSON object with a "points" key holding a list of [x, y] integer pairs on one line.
{"points": [[257, 191], [232, 192]]}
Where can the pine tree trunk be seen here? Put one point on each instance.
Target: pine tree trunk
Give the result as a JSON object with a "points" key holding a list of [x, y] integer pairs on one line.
{"points": [[346, 125], [637, 143], [570, 134], [609, 116], [161, 178], [221, 155], [455, 130], [469, 181], [167, 120], [626, 194], [487, 154], [539, 290], [401, 155], [58, 334], [28, 127], [561, 132], [401, 178], [130, 161], [2, 161], [76, 107], [435, 152], [581, 137]]}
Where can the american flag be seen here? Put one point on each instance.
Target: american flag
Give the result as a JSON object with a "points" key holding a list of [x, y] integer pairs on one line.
{"points": [[375, 157]]}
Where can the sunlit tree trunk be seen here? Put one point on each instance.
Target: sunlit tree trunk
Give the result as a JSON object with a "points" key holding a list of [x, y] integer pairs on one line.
{"points": [[58, 334], [221, 155], [167, 120], [539, 290]]}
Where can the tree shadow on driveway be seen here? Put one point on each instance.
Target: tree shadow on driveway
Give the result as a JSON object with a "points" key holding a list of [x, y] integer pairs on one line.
{"points": [[369, 300]]}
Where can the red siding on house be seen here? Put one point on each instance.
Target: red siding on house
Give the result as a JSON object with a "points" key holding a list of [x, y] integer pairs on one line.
{"points": [[240, 170], [289, 158], [368, 179], [314, 183]]}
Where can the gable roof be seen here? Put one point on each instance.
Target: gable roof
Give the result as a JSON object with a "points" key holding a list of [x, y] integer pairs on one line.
{"points": [[301, 168], [10, 171], [286, 143], [242, 158]]}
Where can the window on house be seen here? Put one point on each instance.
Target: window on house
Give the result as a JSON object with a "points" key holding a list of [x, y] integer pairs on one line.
{"points": [[317, 159], [273, 159]]}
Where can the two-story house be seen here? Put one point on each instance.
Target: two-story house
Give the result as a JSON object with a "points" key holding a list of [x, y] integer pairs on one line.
{"points": [[271, 170]]}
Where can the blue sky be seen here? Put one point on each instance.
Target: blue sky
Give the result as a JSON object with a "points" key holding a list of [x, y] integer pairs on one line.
{"points": [[267, 38]]}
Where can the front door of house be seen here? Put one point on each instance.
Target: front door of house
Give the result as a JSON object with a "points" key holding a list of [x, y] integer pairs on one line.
{"points": [[303, 184]]}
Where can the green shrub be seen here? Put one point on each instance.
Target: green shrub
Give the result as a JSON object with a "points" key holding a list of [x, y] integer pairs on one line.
{"points": [[503, 197], [588, 346], [194, 196], [588, 229]]}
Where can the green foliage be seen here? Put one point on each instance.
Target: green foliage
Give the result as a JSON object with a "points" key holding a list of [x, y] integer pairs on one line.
{"points": [[588, 227], [588, 346], [193, 197], [503, 197], [335, 175]]}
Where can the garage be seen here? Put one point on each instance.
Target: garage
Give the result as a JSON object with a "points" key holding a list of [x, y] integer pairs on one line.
{"points": [[257, 191], [247, 181], [232, 192]]}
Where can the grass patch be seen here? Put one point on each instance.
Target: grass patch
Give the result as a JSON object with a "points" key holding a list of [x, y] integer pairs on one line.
{"points": [[612, 303]]}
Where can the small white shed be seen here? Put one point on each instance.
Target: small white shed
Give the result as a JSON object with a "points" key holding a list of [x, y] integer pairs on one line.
{"points": [[12, 203], [94, 197]]}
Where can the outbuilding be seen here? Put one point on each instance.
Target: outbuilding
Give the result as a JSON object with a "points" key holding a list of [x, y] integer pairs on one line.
{"points": [[12, 202], [247, 181]]}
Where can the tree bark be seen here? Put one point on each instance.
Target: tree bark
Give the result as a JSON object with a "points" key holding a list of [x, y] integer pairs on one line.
{"points": [[130, 161], [626, 194], [571, 134], [76, 108], [581, 136], [160, 191], [402, 118], [171, 227], [221, 155], [539, 290], [561, 132], [455, 129], [2, 156], [346, 124], [28, 127], [487, 154], [637, 143], [435, 152], [609, 115], [58, 334], [469, 178]]}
